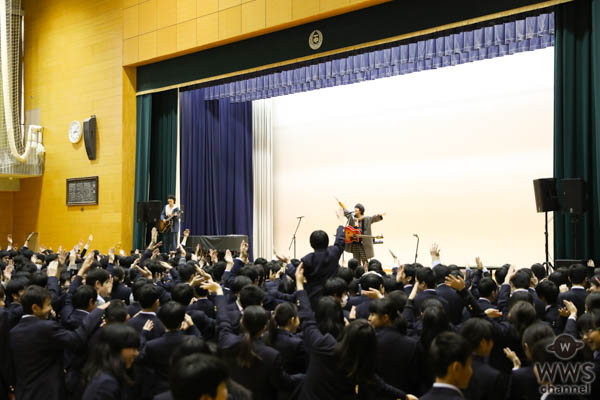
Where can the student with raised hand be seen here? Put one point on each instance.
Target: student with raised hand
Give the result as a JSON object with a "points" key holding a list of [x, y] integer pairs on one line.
{"points": [[399, 358], [4, 361], [282, 336], [343, 369], [487, 383], [36, 347], [148, 296], [450, 359], [106, 373], [578, 276], [252, 364], [323, 262], [155, 353]]}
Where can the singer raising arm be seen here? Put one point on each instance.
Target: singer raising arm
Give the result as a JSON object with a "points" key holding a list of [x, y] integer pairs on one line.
{"points": [[362, 251]]}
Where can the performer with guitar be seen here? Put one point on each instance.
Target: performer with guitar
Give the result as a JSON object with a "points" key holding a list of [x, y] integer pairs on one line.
{"points": [[169, 224], [361, 249]]}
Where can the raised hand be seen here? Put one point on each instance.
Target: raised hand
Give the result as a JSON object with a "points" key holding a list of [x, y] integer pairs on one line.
{"points": [[9, 238], [455, 282], [148, 326], [244, 251], [228, 257], [300, 277], [62, 257], [372, 294], [90, 238], [512, 356], [435, 251], [212, 287], [493, 313], [187, 322], [479, 263], [591, 264], [186, 233], [571, 308]]}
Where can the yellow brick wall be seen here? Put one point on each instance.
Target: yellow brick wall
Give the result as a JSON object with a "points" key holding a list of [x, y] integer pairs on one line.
{"points": [[158, 29]]}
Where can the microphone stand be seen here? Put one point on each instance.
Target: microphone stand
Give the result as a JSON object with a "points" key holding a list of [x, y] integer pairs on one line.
{"points": [[417, 249], [294, 237]]}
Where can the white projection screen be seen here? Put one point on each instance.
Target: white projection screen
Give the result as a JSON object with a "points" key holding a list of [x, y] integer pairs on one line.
{"points": [[448, 154]]}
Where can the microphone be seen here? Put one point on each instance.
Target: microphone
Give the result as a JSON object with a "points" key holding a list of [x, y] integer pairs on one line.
{"points": [[415, 235], [300, 217]]}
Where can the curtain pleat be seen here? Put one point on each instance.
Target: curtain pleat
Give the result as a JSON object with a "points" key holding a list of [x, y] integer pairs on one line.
{"points": [[531, 33], [142, 162]]}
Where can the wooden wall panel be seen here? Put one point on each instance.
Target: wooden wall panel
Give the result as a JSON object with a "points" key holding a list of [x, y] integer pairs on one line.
{"points": [[216, 22], [73, 70], [6, 216]]}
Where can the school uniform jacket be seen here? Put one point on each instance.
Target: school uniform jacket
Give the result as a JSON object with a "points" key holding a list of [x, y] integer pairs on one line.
{"points": [[36, 351], [105, 387], [139, 321], [487, 383]]}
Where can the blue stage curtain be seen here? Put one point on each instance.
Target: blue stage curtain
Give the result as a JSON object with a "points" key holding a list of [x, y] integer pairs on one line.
{"points": [[436, 51], [216, 165]]}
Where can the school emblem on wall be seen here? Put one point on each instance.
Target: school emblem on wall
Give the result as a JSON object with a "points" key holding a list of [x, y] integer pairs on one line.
{"points": [[315, 39]]}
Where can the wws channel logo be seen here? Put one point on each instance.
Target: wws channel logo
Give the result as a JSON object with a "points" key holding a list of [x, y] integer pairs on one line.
{"points": [[563, 375]]}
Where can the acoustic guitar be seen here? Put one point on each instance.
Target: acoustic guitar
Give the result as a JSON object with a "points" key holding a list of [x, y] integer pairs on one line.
{"points": [[354, 235], [166, 225]]}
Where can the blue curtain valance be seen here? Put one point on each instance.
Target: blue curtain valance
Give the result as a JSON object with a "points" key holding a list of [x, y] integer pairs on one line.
{"points": [[530, 33]]}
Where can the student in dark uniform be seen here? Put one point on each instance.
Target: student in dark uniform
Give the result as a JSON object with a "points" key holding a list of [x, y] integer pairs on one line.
{"points": [[399, 358], [450, 359], [199, 376], [106, 371], [339, 370], [36, 347], [4, 361], [282, 336], [252, 364], [487, 383], [148, 297]]}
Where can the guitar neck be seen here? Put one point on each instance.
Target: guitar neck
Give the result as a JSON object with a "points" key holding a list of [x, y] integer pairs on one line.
{"points": [[369, 236]]}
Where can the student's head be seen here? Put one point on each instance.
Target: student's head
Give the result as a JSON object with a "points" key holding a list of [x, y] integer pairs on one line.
{"points": [[359, 210], [410, 270], [85, 298], [251, 295], [199, 377], [488, 288], [157, 269], [148, 296], [480, 334], [371, 280], [352, 264], [450, 359], [578, 274], [559, 278], [137, 285], [435, 321], [286, 285], [14, 289], [521, 315], [346, 274], [319, 240], [539, 271], [375, 266], [36, 301], [355, 351], [171, 315], [329, 316], [589, 327], [39, 278], [400, 298], [239, 283], [592, 302], [254, 323], [182, 293], [547, 291], [519, 296], [190, 344], [521, 279], [250, 272], [426, 278], [285, 317], [384, 313], [114, 353], [171, 200], [116, 312], [595, 284], [100, 280], [500, 274], [533, 334], [337, 288], [441, 272], [187, 272]]}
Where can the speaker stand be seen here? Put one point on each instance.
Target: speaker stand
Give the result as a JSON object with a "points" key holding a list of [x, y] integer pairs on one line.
{"points": [[574, 221], [548, 265]]}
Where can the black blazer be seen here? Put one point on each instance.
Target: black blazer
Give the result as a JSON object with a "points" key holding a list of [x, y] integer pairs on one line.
{"points": [[120, 292], [575, 295], [205, 305], [138, 324], [266, 377], [322, 265], [455, 304], [36, 351], [133, 308], [487, 383], [292, 350], [524, 385], [400, 360], [155, 356], [441, 394], [362, 310], [324, 379], [430, 294], [104, 387], [4, 360]]}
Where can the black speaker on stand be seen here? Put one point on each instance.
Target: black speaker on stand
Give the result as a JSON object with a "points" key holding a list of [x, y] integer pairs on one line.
{"points": [[573, 202], [546, 199]]}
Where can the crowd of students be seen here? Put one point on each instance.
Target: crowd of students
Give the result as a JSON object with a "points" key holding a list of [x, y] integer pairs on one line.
{"points": [[83, 325]]}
